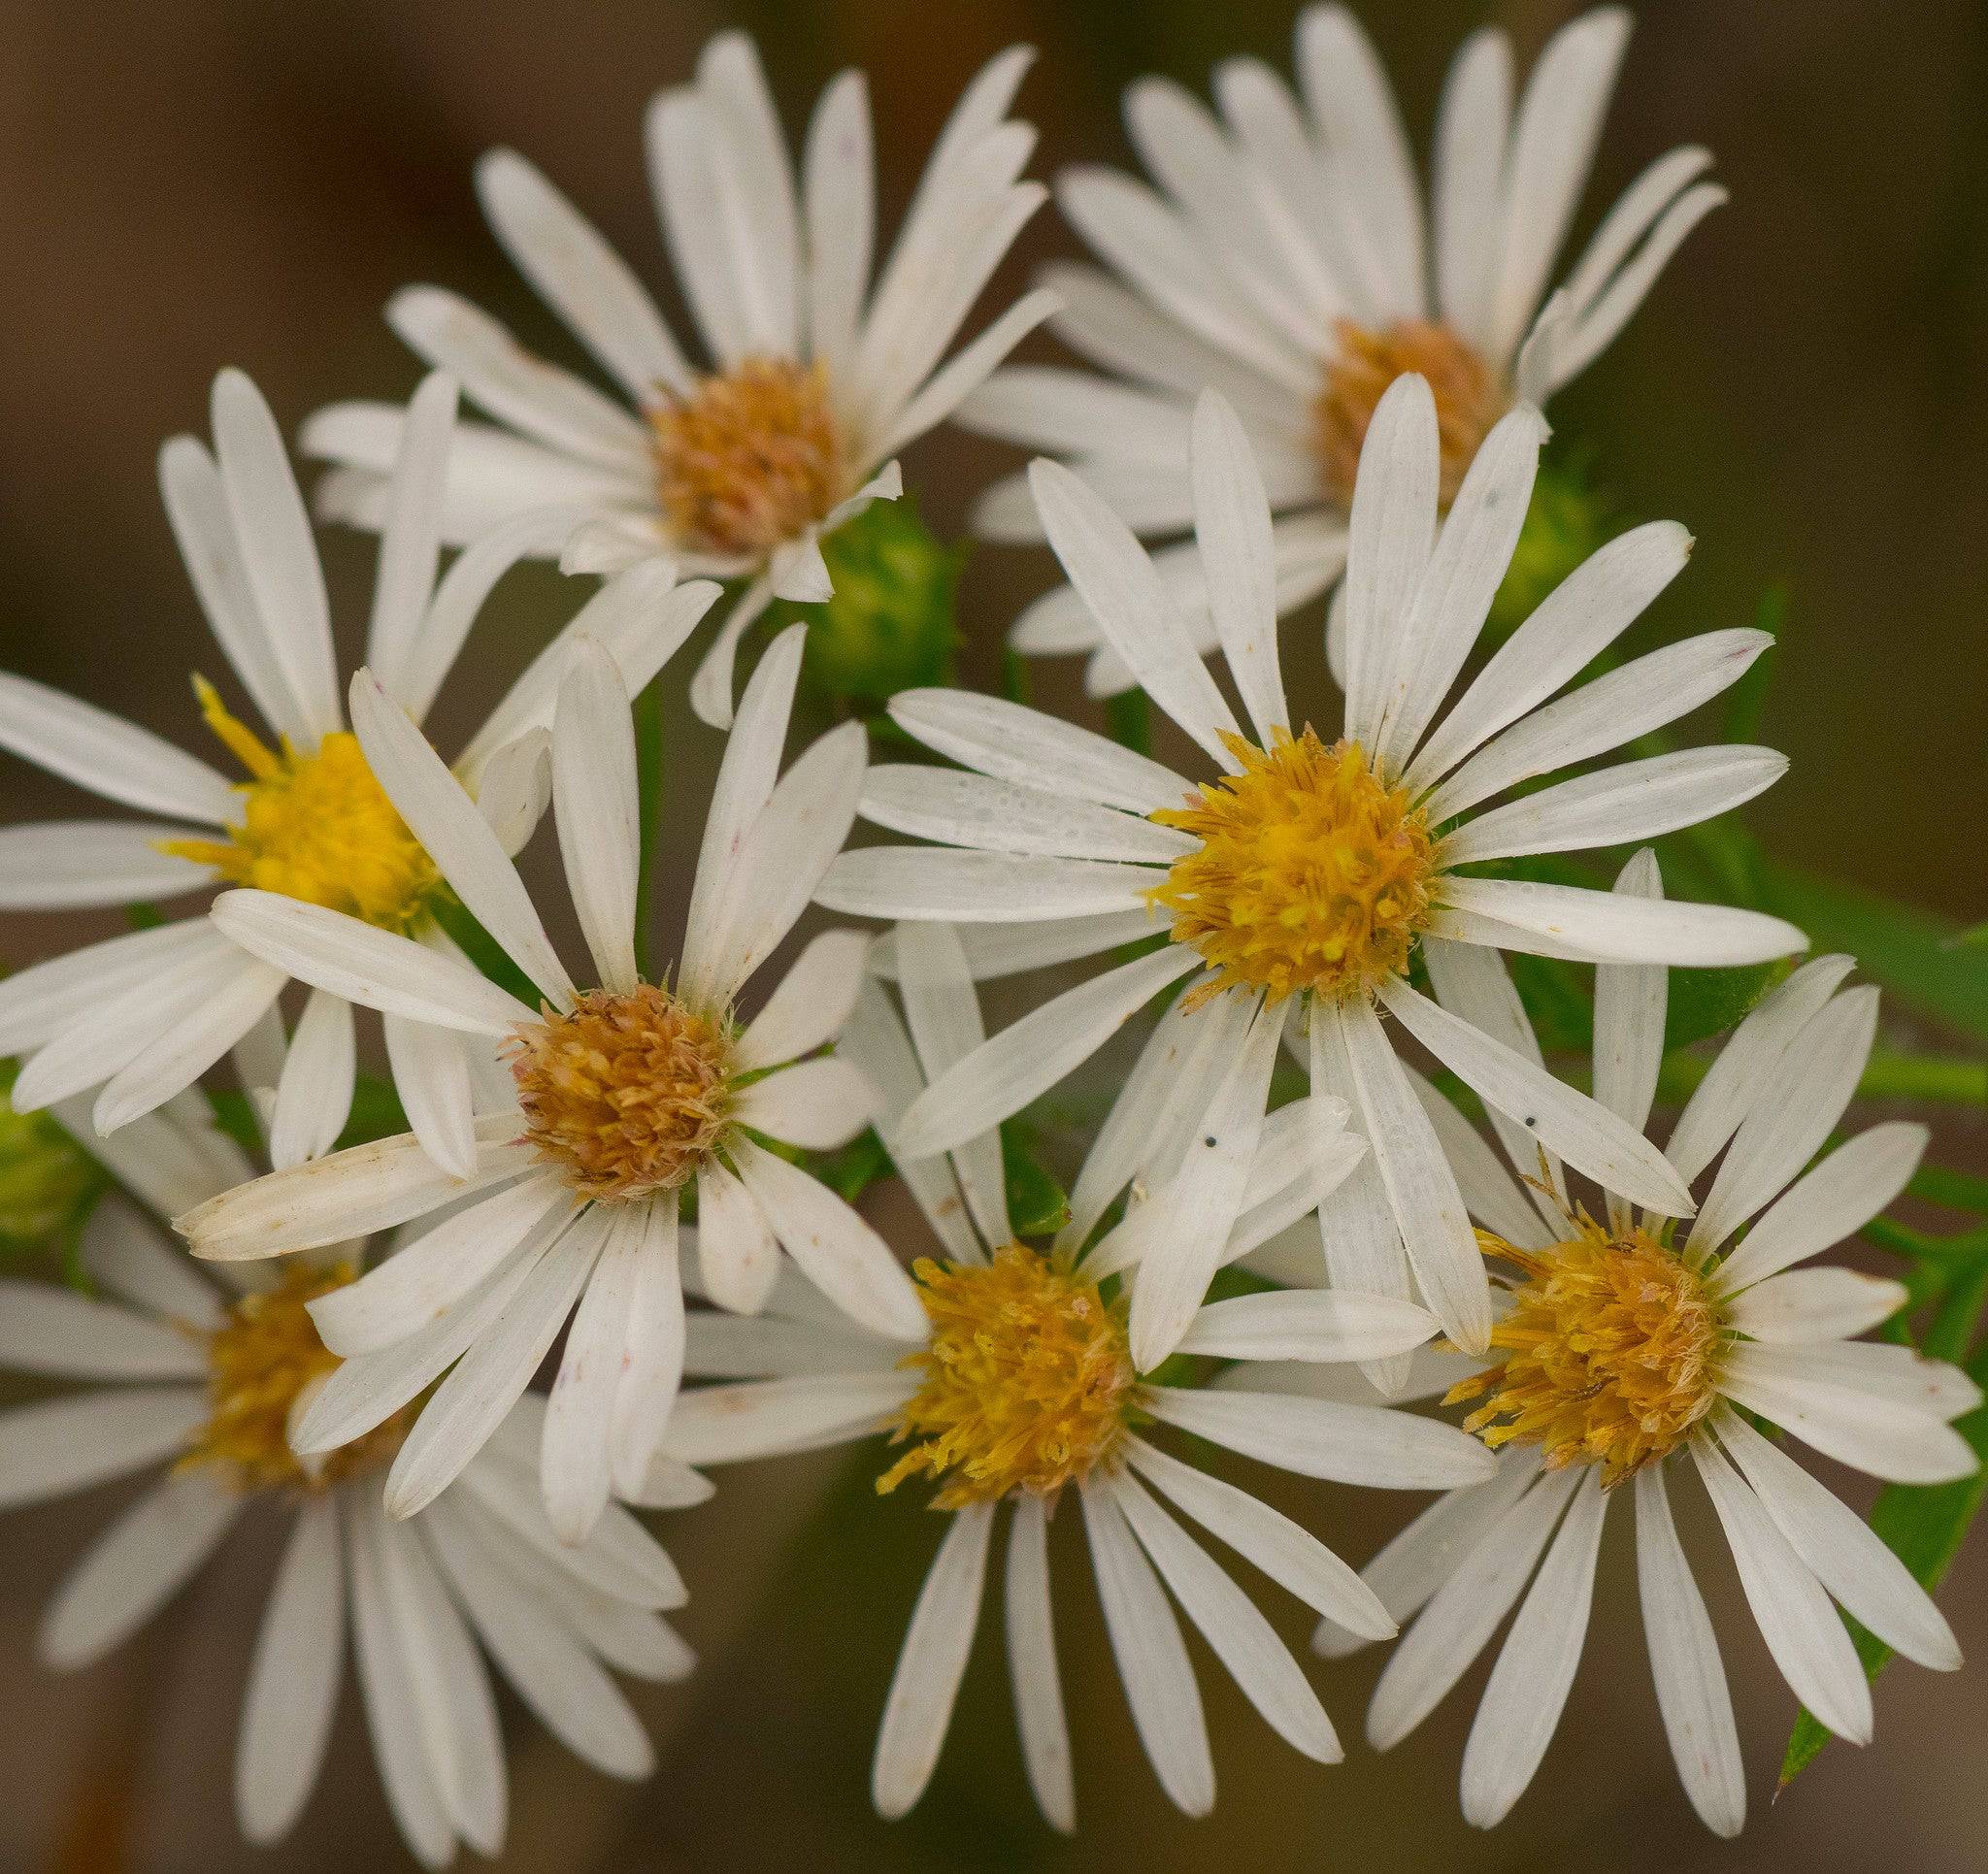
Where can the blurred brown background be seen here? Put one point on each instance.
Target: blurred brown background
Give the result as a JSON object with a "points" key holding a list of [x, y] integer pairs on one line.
{"points": [[201, 183]]}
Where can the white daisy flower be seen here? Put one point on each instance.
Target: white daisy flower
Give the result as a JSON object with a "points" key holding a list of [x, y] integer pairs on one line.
{"points": [[205, 1383], [1020, 1383], [1281, 256], [1626, 1344], [817, 379], [1303, 879], [625, 1095], [146, 1013]]}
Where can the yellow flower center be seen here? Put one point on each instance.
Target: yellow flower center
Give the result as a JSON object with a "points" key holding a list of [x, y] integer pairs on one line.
{"points": [[261, 1358], [1312, 873], [626, 1095], [1028, 1379], [316, 827], [1609, 1353], [1469, 398], [750, 458]]}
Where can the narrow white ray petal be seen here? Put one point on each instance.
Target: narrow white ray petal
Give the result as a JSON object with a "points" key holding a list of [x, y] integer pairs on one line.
{"points": [[173, 1060], [595, 800], [1571, 921], [1630, 701], [410, 534], [732, 1346], [1152, 1659], [839, 216], [811, 1004], [431, 1074], [711, 684], [1291, 1556], [574, 1462], [1881, 1369], [1585, 1133], [1887, 1438], [439, 814], [279, 555], [1809, 1642], [1492, 1195], [995, 950], [293, 1679], [1232, 526], [57, 865], [1319, 1323], [1390, 531], [949, 387], [37, 1003], [974, 810], [1816, 1080], [737, 1253], [1346, 1444], [1421, 1188], [515, 787], [1031, 1664], [138, 1564], [1199, 1204], [719, 1424], [1463, 1612], [840, 1253], [815, 1104], [1629, 1004], [926, 1683], [112, 758], [1132, 605], [57, 1332], [1636, 209], [1833, 1201], [1030, 1056], [943, 886], [316, 1091], [126, 1254], [498, 1366], [62, 1445], [1471, 129], [1812, 1305], [1529, 1685], [374, 967], [1684, 1661], [577, 272], [348, 1194], [652, 1353]]}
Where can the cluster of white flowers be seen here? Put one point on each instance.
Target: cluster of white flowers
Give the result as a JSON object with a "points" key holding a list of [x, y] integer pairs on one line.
{"points": [[1317, 385]]}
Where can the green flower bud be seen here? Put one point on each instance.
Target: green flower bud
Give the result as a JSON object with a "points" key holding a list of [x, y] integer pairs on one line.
{"points": [[890, 625], [45, 1178], [1569, 518]]}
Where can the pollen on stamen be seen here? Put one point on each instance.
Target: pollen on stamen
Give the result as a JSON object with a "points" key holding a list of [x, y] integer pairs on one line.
{"points": [[1611, 1351], [315, 826], [1470, 398], [1312, 876], [1028, 1380], [262, 1360], [627, 1094], [750, 458]]}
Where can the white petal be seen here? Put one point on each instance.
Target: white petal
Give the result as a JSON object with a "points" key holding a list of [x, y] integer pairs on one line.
{"points": [[811, 1004], [1598, 927], [1317, 1323], [173, 1060], [67, 1444], [1232, 524], [652, 1354], [315, 1095], [1471, 130], [839, 193], [574, 1463], [1815, 1305], [840, 1253], [933, 1661], [37, 1003], [57, 1332], [710, 686], [1390, 531], [995, 950], [1809, 1642], [1629, 1004], [410, 534], [1031, 1664], [112, 758], [1884, 1437], [126, 1254], [56, 865], [515, 787], [1529, 1685], [1347, 1444], [596, 802], [717, 1425], [1152, 1659], [739, 1257], [941, 885], [973, 811], [431, 1074]]}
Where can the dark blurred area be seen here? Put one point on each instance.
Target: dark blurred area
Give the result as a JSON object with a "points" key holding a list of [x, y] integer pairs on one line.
{"points": [[197, 184]]}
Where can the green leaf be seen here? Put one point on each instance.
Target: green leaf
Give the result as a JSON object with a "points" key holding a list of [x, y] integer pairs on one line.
{"points": [[483, 951], [1911, 952], [1923, 1526], [376, 1113], [1709, 1001], [1037, 1203]]}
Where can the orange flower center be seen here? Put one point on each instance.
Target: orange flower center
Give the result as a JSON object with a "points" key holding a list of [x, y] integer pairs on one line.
{"points": [[1469, 397]]}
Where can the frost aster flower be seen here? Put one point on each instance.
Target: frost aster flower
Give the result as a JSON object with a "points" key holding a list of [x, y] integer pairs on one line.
{"points": [[818, 375], [146, 1013], [1282, 256], [1300, 881], [626, 1095], [1020, 1386], [175, 1372], [1627, 1352]]}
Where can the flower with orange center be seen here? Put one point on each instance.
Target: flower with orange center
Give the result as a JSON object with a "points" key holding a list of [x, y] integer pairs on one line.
{"points": [[1470, 397], [1611, 1351], [1027, 1379], [1312, 873], [626, 1094], [750, 457]]}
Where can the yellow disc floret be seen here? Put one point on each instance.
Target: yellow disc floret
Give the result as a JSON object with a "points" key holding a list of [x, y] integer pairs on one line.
{"points": [[262, 1357], [750, 458], [1611, 1351], [1311, 874], [1469, 397], [1028, 1379], [626, 1094], [315, 826]]}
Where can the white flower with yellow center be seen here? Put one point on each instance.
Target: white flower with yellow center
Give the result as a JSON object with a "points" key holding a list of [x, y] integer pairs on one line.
{"points": [[627, 1095], [1626, 1345], [144, 1014], [1282, 257], [816, 377], [206, 1383], [1303, 879], [1020, 1385]]}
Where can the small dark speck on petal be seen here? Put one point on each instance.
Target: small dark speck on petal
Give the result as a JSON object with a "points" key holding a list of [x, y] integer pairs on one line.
{"points": [[1209, 1140], [1530, 1121]]}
